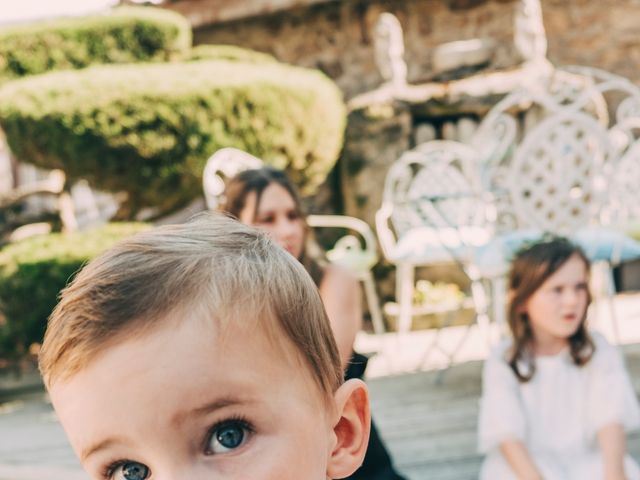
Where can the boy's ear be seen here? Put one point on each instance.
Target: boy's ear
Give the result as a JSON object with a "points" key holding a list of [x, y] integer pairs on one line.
{"points": [[351, 430]]}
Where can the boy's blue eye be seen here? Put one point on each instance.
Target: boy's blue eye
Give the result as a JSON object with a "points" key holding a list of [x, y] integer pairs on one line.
{"points": [[228, 437], [130, 471]]}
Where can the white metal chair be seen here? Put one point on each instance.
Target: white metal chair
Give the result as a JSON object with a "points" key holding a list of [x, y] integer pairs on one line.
{"points": [[551, 154], [357, 253], [434, 211], [222, 165], [350, 253], [52, 186]]}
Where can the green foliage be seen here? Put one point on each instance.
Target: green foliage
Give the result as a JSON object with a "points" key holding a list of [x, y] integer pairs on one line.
{"points": [[32, 273], [125, 35], [633, 230], [228, 52], [149, 129], [437, 294]]}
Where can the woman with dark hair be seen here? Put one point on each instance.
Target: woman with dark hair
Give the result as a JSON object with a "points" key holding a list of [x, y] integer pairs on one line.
{"points": [[266, 198], [556, 400]]}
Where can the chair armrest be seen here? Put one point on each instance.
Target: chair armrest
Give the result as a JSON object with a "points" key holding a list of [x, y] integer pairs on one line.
{"points": [[52, 185], [385, 235], [344, 221], [348, 250]]}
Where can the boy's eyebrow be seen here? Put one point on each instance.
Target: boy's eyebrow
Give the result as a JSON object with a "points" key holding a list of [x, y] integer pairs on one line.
{"points": [[106, 443], [208, 407], [178, 418]]}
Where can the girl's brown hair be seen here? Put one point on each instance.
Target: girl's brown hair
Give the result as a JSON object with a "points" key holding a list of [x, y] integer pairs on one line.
{"points": [[531, 267], [257, 180]]}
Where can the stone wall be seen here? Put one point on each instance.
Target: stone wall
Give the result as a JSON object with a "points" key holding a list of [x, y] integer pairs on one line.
{"points": [[206, 12], [337, 37], [602, 33]]}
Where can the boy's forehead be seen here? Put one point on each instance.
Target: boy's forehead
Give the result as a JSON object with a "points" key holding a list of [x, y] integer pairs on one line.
{"points": [[187, 365], [248, 319]]}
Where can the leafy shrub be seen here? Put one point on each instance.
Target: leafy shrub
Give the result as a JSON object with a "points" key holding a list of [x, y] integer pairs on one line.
{"points": [[228, 52], [32, 273], [149, 129], [125, 35]]}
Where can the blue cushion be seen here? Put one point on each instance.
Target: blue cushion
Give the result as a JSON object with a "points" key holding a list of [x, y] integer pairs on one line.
{"points": [[598, 243], [494, 258], [601, 243], [426, 245]]}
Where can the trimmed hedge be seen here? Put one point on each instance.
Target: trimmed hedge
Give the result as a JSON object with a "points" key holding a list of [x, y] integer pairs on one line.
{"points": [[32, 273], [228, 52], [125, 35], [149, 129]]}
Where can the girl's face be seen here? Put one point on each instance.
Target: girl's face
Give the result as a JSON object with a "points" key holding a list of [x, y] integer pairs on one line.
{"points": [[558, 307], [278, 215]]}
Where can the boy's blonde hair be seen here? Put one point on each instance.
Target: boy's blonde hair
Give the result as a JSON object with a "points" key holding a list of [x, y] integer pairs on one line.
{"points": [[211, 264]]}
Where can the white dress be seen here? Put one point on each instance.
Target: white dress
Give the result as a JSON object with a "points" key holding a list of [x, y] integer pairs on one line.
{"points": [[557, 414]]}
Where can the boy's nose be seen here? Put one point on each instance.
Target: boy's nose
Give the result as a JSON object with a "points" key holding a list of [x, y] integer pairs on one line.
{"points": [[192, 472]]}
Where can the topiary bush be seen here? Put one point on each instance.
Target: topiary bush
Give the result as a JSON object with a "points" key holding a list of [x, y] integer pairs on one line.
{"points": [[228, 52], [149, 129], [32, 273], [124, 35]]}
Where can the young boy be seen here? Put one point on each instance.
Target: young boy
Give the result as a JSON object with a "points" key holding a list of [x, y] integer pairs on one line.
{"points": [[201, 351]]}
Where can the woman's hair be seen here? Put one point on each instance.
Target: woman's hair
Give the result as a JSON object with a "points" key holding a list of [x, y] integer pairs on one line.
{"points": [[257, 180], [531, 267]]}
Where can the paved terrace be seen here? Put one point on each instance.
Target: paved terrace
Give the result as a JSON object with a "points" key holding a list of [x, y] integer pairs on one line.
{"points": [[428, 419]]}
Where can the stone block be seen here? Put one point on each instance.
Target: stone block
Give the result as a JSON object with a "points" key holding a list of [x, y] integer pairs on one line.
{"points": [[424, 132], [464, 53], [466, 129], [371, 146], [450, 131]]}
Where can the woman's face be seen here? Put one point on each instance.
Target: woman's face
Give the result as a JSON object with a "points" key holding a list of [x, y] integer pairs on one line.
{"points": [[278, 215]]}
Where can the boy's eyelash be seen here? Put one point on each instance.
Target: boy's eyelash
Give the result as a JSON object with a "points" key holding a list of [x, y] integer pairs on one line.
{"points": [[110, 468], [233, 420]]}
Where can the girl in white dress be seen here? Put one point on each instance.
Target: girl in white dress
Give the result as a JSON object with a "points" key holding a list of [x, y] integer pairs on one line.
{"points": [[556, 400]]}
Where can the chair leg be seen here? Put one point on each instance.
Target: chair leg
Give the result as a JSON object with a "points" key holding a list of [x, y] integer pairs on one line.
{"points": [[373, 302], [603, 287], [481, 304], [67, 212], [611, 292], [404, 294], [498, 304]]}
